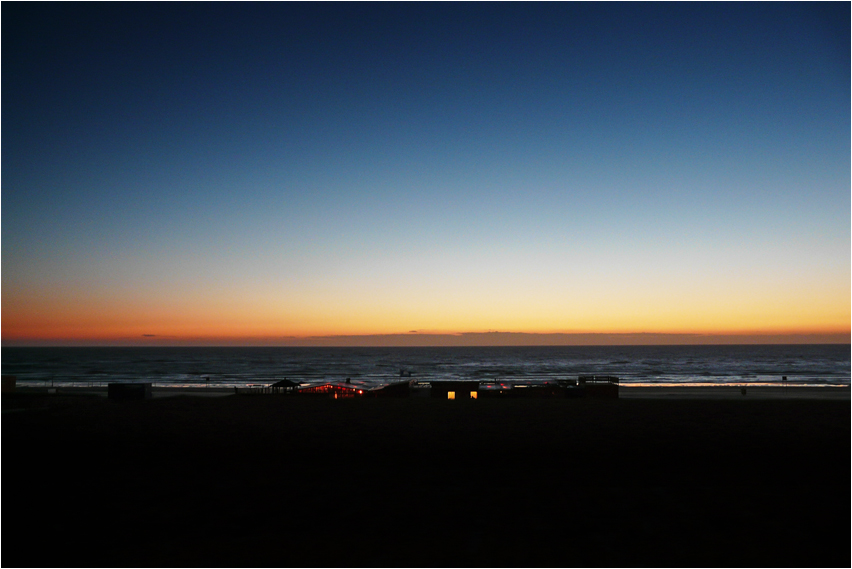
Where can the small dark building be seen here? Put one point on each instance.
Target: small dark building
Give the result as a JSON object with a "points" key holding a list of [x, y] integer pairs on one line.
{"points": [[284, 386], [536, 390], [9, 382], [495, 390], [455, 389], [522, 389], [602, 386], [398, 389], [129, 391], [334, 390]]}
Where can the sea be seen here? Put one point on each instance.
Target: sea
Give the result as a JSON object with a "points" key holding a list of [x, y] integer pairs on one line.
{"points": [[206, 367]]}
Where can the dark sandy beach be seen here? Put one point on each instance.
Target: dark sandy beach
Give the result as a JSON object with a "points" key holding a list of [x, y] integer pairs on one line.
{"points": [[284, 481]]}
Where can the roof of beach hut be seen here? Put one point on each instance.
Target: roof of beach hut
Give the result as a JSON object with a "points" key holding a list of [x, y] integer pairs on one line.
{"points": [[285, 383]]}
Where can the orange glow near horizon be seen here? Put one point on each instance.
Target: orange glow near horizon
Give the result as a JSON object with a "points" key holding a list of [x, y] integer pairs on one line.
{"points": [[241, 335], [20, 325], [267, 316]]}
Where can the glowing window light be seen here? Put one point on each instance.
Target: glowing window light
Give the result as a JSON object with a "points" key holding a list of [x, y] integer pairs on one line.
{"points": [[473, 394], [451, 394]]}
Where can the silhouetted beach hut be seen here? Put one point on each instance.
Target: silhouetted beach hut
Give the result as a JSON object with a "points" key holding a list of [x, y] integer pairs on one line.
{"points": [[9, 382], [397, 389], [334, 389], [284, 386], [534, 389], [604, 386], [492, 390], [455, 389], [521, 389]]}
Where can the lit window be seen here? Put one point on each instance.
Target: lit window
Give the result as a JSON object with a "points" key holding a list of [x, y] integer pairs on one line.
{"points": [[473, 394], [451, 394]]}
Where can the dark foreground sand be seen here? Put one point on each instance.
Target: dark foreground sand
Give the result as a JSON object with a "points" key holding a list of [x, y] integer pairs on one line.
{"points": [[281, 481], [726, 392]]}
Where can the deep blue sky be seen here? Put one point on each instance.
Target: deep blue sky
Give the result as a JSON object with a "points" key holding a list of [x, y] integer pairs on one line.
{"points": [[294, 169]]}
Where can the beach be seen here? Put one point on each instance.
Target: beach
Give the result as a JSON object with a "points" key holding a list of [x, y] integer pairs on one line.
{"points": [[653, 478], [733, 392]]}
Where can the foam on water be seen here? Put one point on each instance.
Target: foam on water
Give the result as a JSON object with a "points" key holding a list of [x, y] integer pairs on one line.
{"points": [[245, 367]]}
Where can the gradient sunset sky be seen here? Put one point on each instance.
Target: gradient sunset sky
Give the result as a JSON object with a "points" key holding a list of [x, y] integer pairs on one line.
{"points": [[261, 173]]}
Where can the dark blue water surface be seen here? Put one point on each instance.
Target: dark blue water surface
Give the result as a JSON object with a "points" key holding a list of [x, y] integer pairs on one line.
{"points": [[802, 364]]}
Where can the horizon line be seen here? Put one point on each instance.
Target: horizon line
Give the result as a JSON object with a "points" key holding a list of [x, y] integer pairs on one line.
{"points": [[461, 339]]}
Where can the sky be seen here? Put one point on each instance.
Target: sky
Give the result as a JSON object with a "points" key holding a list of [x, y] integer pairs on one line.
{"points": [[241, 173]]}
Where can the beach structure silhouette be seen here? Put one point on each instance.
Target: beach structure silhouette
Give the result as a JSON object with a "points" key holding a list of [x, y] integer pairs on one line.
{"points": [[284, 386], [585, 386]]}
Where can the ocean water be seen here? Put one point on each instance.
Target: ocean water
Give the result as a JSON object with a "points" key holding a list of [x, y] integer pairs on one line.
{"points": [[818, 365]]}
